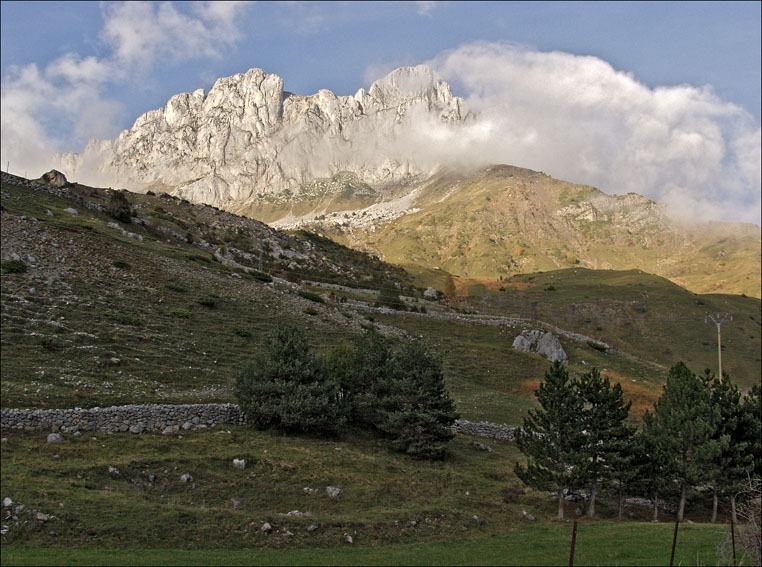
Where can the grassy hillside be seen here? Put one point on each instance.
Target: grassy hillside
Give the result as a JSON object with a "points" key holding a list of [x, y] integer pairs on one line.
{"points": [[387, 499], [168, 310], [506, 220]]}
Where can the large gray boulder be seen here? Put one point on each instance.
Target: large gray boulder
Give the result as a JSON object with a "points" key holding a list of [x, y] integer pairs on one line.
{"points": [[54, 178], [540, 342]]}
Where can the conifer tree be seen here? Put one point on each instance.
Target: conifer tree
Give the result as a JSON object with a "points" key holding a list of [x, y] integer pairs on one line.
{"points": [[738, 426], [683, 427], [412, 405], [606, 434], [285, 388], [552, 437]]}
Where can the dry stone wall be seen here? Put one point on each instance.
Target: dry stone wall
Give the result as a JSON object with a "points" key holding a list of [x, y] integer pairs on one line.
{"points": [[134, 418], [167, 418]]}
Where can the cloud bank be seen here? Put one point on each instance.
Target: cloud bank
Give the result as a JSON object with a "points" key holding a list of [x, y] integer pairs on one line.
{"points": [[579, 119], [47, 109], [574, 117]]}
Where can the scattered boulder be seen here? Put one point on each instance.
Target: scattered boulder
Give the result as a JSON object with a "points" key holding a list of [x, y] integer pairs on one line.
{"points": [[236, 503], [54, 178], [43, 517], [308, 490], [114, 473], [348, 538], [267, 528], [55, 438], [186, 477], [71, 211], [333, 491], [312, 528], [527, 516], [482, 446], [541, 342], [430, 293], [7, 502], [239, 464]]}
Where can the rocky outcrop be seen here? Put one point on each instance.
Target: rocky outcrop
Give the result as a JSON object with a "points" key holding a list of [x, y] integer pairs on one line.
{"points": [[54, 178], [249, 139], [541, 342]]}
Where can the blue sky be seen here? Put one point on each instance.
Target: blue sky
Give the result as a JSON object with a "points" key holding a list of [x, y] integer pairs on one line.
{"points": [[74, 70]]}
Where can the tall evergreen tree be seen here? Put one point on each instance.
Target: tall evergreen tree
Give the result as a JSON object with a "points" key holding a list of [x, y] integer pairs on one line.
{"points": [[412, 405], [683, 427], [753, 408], [606, 434], [285, 388], [737, 432], [552, 437]]}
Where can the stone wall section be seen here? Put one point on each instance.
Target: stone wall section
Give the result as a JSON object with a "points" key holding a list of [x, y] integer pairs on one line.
{"points": [[168, 418], [115, 419]]}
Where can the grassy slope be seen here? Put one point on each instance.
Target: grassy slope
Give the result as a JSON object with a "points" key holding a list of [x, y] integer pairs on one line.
{"points": [[127, 313], [426, 510], [503, 221], [644, 315]]}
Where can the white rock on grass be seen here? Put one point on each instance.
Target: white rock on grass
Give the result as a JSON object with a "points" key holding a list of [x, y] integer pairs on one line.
{"points": [[239, 464], [333, 491], [55, 438]]}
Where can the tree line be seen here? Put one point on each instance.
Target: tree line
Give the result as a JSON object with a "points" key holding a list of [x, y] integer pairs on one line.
{"points": [[702, 434]]}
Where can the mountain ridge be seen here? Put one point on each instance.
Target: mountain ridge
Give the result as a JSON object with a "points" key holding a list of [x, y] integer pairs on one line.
{"points": [[364, 170]]}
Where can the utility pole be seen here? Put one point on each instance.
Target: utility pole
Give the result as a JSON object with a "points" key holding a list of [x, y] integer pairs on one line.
{"points": [[718, 319]]}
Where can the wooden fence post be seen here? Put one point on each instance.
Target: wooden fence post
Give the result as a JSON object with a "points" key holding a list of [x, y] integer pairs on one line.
{"points": [[574, 539], [674, 541]]}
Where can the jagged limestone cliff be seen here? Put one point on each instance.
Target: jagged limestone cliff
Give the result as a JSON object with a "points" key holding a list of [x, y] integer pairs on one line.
{"points": [[248, 139]]}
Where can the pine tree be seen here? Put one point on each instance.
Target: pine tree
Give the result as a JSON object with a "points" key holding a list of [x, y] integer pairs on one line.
{"points": [[552, 437], [412, 405], [753, 409], [683, 427], [285, 388], [606, 434], [739, 427]]}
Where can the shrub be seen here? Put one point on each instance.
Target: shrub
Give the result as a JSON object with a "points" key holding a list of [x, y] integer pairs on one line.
{"points": [[126, 319], [310, 311], [121, 265], [286, 389], [118, 206], [311, 296], [178, 288], [13, 267], [181, 313], [241, 332], [208, 301], [199, 258]]}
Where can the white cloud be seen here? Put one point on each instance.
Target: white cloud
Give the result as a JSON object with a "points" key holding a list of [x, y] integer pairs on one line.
{"points": [[140, 33], [65, 103], [579, 119], [425, 7]]}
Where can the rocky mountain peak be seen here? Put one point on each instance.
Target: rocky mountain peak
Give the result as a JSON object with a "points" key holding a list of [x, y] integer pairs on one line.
{"points": [[248, 139]]}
